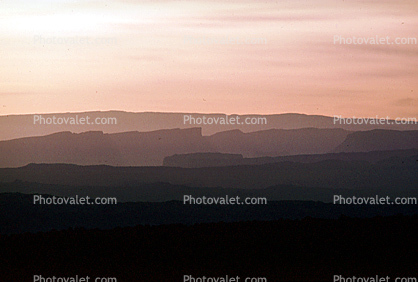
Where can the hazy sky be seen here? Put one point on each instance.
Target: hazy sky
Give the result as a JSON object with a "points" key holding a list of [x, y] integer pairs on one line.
{"points": [[183, 56]]}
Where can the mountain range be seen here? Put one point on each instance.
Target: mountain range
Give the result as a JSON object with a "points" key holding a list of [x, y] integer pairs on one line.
{"points": [[394, 172], [18, 126], [150, 148]]}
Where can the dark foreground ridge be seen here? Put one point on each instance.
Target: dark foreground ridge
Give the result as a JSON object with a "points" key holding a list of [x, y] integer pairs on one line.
{"points": [[23, 216], [284, 250]]}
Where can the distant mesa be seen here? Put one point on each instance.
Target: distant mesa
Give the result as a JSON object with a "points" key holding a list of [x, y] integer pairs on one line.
{"points": [[150, 148]]}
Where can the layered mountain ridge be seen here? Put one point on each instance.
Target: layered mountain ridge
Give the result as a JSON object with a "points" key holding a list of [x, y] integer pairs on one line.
{"points": [[150, 148]]}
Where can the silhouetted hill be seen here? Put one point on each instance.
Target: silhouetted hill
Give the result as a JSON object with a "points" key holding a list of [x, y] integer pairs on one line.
{"points": [[336, 174], [379, 140], [150, 148], [197, 160], [18, 126], [23, 216], [119, 149]]}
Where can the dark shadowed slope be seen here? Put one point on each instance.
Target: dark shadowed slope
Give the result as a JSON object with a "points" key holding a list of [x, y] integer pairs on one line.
{"points": [[24, 216], [379, 140], [283, 250], [197, 160], [396, 172]]}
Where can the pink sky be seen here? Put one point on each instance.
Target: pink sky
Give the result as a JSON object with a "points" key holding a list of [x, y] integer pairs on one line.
{"points": [[146, 56]]}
